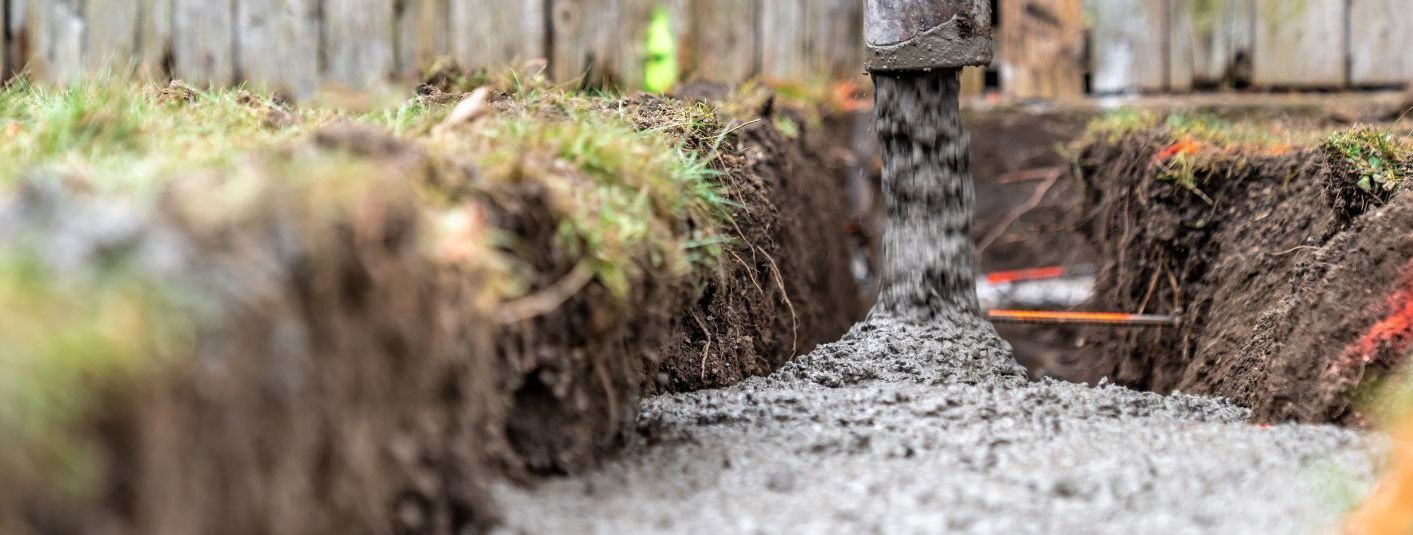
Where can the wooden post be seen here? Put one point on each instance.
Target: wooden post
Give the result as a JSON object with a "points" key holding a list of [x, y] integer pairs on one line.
{"points": [[1042, 48]]}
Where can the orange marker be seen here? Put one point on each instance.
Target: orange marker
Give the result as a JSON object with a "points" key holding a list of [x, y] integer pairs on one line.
{"points": [[1041, 273], [1082, 318]]}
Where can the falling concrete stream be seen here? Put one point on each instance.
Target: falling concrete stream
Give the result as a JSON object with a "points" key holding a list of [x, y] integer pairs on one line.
{"points": [[920, 421]]}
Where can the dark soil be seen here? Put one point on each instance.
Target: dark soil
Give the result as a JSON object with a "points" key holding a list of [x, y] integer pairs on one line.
{"points": [[1015, 153], [1276, 279], [352, 383]]}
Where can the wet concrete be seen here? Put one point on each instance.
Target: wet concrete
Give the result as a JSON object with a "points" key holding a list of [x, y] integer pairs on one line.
{"points": [[921, 421], [907, 428]]}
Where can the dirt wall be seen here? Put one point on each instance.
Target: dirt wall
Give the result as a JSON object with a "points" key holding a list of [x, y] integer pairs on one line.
{"points": [[353, 382], [1284, 289]]}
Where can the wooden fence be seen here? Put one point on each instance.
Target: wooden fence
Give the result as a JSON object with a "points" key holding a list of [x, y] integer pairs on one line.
{"points": [[1176, 45], [295, 46]]}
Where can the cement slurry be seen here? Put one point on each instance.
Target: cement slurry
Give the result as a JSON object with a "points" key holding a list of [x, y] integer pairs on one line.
{"points": [[905, 428]]}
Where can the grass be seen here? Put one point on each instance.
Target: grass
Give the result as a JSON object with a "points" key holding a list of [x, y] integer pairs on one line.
{"points": [[629, 183], [66, 338], [1381, 160], [1206, 145], [635, 188]]}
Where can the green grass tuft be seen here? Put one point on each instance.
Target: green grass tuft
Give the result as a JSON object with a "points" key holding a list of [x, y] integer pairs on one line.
{"points": [[1381, 160]]}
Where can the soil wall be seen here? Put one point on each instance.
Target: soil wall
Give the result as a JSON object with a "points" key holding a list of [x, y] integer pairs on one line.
{"points": [[1290, 296], [354, 383]]}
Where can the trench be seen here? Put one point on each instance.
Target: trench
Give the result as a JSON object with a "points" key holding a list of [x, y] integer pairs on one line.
{"points": [[921, 420]]}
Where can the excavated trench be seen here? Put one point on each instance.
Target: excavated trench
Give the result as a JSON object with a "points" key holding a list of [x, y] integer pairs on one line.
{"points": [[920, 419], [354, 382]]}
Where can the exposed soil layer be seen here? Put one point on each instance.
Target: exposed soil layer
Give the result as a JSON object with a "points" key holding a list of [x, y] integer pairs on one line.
{"points": [[353, 382], [1285, 289]]}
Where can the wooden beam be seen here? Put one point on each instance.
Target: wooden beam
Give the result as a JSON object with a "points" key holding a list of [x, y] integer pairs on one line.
{"points": [[1042, 48], [278, 45], [1299, 43]]}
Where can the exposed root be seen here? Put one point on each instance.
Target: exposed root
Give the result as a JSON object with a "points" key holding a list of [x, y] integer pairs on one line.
{"points": [[547, 300], [1030, 204], [785, 295], [706, 349]]}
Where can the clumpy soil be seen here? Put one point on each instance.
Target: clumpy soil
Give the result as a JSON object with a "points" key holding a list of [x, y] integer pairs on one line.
{"points": [[351, 383], [1290, 295]]}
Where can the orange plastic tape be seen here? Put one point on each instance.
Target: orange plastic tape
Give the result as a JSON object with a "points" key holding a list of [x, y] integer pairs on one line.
{"points": [[1006, 277], [1092, 318]]}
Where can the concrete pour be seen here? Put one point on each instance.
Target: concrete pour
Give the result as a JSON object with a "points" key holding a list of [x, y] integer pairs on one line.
{"points": [[933, 428], [920, 420]]}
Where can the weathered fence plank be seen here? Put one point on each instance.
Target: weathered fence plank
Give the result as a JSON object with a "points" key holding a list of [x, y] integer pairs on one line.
{"points": [[154, 38], [1211, 41], [54, 34], [1299, 43], [1128, 45], [583, 39], [278, 45], [1178, 45], [7, 67], [1042, 48], [782, 38], [422, 35], [833, 40], [358, 41], [495, 33], [628, 53], [203, 41], [1381, 43], [723, 40], [111, 42]]}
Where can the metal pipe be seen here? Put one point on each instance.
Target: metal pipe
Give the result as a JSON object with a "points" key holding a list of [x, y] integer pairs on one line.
{"points": [[922, 35]]}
